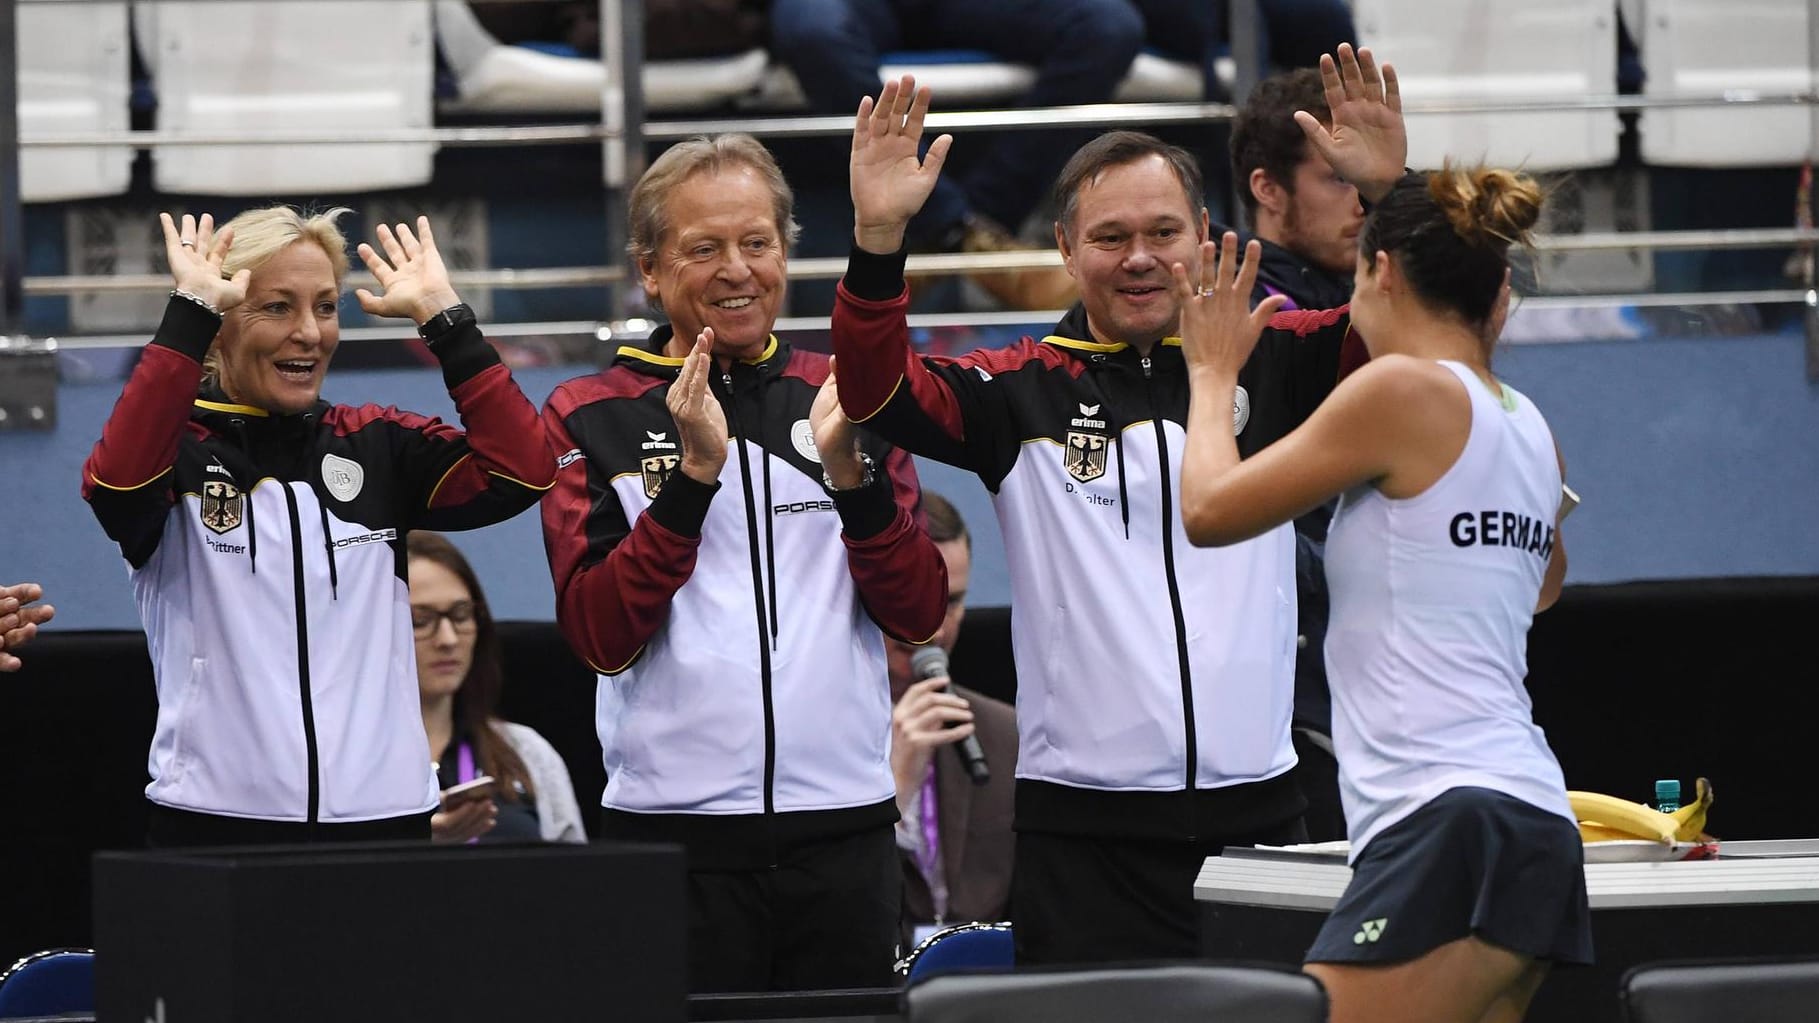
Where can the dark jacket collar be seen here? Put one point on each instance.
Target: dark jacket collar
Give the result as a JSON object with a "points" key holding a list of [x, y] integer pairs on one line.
{"points": [[648, 357], [1072, 335], [1308, 286]]}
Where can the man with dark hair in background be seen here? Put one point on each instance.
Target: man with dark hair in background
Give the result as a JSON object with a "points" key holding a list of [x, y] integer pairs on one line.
{"points": [[1307, 218], [954, 837]]}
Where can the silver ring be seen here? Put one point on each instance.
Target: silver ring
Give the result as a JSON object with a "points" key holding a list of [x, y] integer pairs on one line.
{"points": [[187, 244]]}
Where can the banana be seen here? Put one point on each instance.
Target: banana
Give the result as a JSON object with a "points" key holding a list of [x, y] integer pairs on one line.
{"points": [[1630, 820], [1690, 819]]}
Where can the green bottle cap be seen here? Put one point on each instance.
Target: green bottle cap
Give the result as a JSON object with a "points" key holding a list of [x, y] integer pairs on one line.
{"points": [[1667, 790]]}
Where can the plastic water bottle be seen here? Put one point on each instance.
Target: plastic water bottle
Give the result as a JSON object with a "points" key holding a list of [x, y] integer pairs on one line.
{"points": [[1667, 795]]}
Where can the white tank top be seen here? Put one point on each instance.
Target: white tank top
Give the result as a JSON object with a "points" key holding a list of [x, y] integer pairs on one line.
{"points": [[1427, 646]]}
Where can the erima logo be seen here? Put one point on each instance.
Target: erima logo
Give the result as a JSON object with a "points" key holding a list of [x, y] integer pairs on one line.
{"points": [[983, 375], [658, 440], [569, 457], [1370, 931], [222, 469], [1088, 410]]}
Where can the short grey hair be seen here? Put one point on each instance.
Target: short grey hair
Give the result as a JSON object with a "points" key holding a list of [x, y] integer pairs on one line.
{"points": [[704, 154]]}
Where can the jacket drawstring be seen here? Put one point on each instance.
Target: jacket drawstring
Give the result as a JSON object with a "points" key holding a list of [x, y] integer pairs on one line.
{"points": [[252, 531], [770, 553], [328, 545], [1124, 495]]}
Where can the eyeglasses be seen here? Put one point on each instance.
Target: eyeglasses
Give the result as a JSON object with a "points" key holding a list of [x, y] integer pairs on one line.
{"points": [[427, 621]]}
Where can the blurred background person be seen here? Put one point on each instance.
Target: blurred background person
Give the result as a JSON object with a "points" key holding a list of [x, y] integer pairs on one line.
{"points": [[264, 527], [954, 836], [1307, 219], [1081, 50], [459, 676]]}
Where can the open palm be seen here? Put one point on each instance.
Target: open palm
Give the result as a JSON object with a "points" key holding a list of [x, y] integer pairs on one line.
{"points": [[890, 179], [1368, 143]]}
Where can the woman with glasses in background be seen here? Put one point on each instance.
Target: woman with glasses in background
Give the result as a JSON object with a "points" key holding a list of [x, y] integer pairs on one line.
{"points": [[459, 677]]}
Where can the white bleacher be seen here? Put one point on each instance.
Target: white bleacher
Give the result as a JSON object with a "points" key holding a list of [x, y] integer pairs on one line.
{"points": [[1717, 47], [1500, 50], [521, 80], [74, 78], [252, 66]]}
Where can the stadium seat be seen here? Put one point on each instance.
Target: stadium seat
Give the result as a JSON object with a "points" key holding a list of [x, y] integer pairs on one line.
{"points": [[1481, 52], [1181, 993], [1749, 992], [289, 66], [1715, 47], [57, 982], [74, 77]]}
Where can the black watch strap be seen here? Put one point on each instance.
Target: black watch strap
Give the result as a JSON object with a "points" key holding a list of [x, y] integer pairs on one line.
{"points": [[448, 319]]}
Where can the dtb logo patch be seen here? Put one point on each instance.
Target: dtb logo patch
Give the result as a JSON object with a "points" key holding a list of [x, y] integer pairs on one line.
{"points": [[343, 477]]}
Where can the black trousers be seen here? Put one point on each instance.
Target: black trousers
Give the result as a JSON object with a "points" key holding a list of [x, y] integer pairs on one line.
{"points": [[824, 916], [179, 829], [1088, 899]]}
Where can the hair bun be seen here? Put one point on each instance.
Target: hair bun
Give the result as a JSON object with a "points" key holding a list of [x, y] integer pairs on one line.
{"points": [[1487, 205]]}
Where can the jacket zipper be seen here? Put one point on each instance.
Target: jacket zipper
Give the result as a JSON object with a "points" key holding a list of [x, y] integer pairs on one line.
{"points": [[1174, 599], [303, 683], [764, 652]]}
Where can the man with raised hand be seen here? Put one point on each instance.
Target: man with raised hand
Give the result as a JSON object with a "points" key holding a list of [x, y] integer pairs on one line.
{"points": [[1155, 678]]}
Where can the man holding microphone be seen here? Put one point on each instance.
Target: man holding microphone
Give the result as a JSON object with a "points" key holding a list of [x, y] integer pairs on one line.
{"points": [[954, 756]]}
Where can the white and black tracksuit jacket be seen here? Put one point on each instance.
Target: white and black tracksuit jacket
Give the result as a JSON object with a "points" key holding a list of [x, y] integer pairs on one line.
{"points": [[738, 628], [1155, 678], [267, 555]]}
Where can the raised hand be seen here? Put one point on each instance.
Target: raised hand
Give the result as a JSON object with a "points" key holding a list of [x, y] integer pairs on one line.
{"points": [[20, 616], [700, 421], [1368, 144], [890, 181], [1218, 326], [195, 253], [835, 439], [411, 272]]}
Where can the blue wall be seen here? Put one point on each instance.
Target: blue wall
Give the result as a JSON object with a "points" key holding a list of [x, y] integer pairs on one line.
{"points": [[1695, 457]]}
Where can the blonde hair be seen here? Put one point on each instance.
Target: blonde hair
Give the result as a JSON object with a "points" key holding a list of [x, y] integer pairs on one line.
{"points": [[704, 155], [260, 234], [1482, 203]]}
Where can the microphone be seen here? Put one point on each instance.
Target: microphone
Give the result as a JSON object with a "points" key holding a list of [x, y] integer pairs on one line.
{"points": [[931, 662]]}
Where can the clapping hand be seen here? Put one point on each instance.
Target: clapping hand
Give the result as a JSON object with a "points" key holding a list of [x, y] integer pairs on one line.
{"points": [[1368, 144], [195, 252], [415, 282], [890, 179], [700, 421], [835, 439], [1218, 326]]}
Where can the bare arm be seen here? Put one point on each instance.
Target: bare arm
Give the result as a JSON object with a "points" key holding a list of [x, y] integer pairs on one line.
{"points": [[1556, 561]]}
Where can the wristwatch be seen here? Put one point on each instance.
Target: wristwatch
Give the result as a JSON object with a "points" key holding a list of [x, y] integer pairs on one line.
{"points": [[865, 479], [445, 321]]}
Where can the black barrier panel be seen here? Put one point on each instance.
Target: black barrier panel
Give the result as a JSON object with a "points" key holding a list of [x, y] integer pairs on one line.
{"points": [[390, 932]]}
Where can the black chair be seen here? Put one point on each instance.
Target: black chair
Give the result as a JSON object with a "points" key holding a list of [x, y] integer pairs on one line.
{"points": [[1164, 993], [1739, 991]]}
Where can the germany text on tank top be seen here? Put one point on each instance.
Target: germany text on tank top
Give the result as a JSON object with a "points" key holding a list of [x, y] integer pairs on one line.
{"points": [[1427, 647]]}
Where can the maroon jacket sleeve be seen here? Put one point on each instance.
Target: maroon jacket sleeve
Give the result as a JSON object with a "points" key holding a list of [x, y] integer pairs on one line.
{"points": [[951, 410], [898, 570], [501, 464], [614, 579], [126, 477]]}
